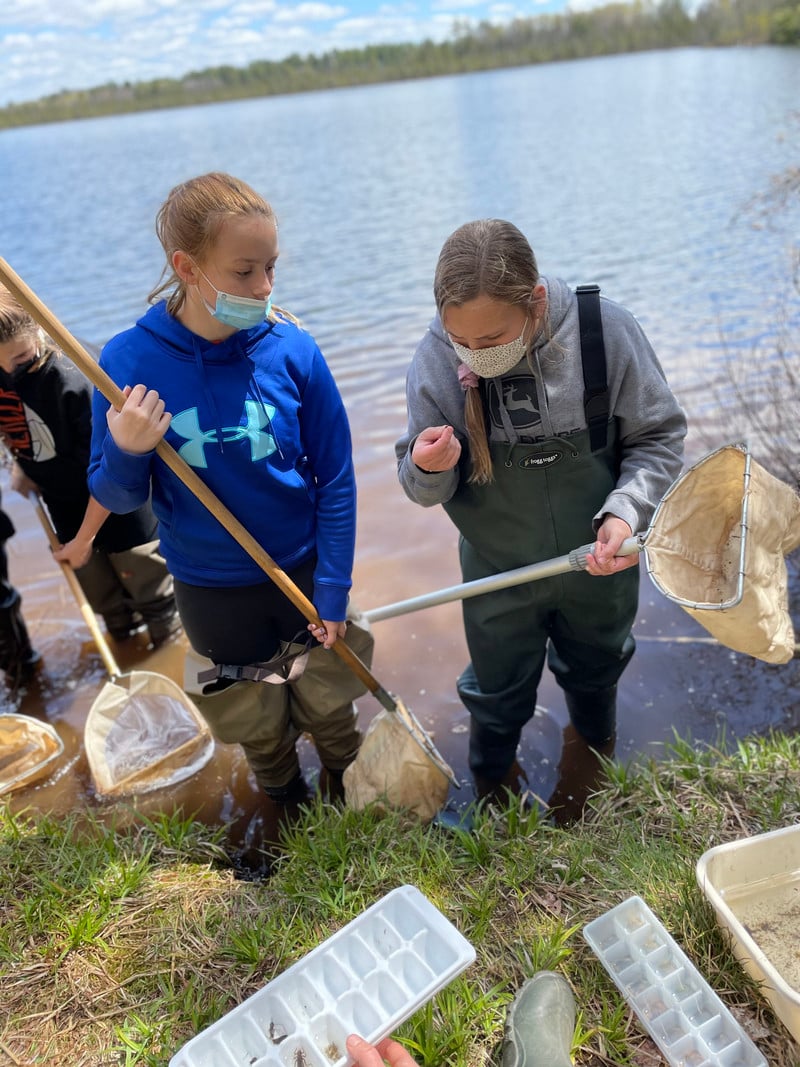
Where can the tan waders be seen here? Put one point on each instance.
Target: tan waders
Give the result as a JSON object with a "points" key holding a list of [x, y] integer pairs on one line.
{"points": [[131, 589], [267, 717]]}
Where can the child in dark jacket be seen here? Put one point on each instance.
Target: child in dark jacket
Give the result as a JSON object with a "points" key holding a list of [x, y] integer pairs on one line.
{"points": [[45, 422]]}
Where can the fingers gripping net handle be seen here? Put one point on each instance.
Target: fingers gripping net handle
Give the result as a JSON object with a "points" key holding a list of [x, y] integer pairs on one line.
{"points": [[629, 547]]}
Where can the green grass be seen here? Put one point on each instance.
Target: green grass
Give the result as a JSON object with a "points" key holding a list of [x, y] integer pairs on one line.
{"points": [[117, 946]]}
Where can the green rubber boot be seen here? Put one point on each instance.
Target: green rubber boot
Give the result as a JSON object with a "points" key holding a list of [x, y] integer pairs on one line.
{"points": [[540, 1023]]}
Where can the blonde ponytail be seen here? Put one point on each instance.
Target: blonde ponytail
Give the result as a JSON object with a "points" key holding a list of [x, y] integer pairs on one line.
{"points": [[475, 423]]}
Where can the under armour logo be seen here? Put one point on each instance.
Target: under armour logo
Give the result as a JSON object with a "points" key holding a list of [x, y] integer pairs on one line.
{"points": [[257, 416]]}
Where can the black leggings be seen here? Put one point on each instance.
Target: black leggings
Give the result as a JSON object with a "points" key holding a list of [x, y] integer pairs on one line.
{"points": [[242, 624]]}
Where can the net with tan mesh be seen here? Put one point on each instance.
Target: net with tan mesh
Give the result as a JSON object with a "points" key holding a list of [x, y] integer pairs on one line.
{"points": [[717, 545]]}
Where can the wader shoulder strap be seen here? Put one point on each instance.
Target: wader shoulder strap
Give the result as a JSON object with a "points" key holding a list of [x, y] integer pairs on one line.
{"points": [[593, 357]]}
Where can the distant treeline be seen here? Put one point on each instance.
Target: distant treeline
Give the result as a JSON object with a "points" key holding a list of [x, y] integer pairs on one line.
{"points": [[609, 30]]}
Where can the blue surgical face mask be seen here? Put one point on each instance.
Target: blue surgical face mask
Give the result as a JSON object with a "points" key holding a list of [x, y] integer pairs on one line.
{"points": [[240, 312]]}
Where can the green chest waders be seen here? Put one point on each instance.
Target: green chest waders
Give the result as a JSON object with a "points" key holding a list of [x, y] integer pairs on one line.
{"points": [[540, 504]]}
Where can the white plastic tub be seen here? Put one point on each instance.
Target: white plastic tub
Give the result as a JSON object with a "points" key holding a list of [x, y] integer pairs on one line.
{"points": [[753, 886], [367, 978]]}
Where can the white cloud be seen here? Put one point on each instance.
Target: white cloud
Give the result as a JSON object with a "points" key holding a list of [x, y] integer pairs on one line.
{"points": [[310, 12], [78, 44], [454, 5], [504, 12]]}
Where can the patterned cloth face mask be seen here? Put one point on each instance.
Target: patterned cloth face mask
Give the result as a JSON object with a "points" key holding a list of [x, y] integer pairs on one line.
{"points": [[495, 361], [240, 312]]}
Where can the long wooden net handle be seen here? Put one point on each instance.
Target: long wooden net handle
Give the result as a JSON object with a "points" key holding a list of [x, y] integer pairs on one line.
{"points": [[86, 609]]}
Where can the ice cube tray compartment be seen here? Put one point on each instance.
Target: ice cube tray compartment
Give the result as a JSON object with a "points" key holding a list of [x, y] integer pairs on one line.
{"points": [[367, 978], [675, 1004]]}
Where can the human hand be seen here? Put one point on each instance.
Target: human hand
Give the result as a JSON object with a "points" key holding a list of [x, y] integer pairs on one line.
{"points": [[141, 422], [603, 559], [436, 449], [388, 1051], [326, 632], [76, 553]]}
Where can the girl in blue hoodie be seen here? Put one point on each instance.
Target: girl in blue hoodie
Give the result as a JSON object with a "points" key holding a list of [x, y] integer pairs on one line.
{"points": [[244, 395]]}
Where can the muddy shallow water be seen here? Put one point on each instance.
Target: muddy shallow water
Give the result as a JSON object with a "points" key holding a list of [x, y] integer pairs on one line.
{"points": [[679, 681]]}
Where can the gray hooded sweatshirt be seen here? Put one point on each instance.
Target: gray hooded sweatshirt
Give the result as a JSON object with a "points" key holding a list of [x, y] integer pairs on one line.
{"points": [[547, 402]]}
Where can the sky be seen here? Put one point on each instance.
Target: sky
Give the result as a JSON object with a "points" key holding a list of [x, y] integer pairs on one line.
{"points": [[50, 45]]}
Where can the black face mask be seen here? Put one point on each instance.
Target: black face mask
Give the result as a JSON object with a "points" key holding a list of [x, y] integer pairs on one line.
{"points": [[20, 371]]}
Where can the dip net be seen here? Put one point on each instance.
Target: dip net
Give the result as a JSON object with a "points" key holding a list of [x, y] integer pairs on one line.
{"points": [[29, 750], [143, 733], [717, 546]]}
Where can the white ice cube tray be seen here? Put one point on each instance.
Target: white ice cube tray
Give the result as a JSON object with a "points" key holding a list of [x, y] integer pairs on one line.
{"points": [[675, 1004], [367, 978]]}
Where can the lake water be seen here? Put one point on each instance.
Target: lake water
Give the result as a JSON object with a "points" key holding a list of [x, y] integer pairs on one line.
{"points": [[637, 172]]}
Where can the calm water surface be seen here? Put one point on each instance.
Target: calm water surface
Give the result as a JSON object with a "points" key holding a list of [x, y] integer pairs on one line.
{"points": [[637, 172]]}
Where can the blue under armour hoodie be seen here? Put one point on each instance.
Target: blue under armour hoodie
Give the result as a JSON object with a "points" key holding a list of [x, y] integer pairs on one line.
{"points": [[259, 418]]}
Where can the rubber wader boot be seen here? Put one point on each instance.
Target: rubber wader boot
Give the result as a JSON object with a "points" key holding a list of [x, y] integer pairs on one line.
{"points": [[589, 738], [261, 847], [499, 775], [163, 629], [17, 658], [512, 784], [581, 772], [331, 786], [540, 1023], [593, 714]]}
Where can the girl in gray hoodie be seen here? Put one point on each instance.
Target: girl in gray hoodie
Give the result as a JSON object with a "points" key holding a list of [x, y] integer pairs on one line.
{"points": [[535, 445]]}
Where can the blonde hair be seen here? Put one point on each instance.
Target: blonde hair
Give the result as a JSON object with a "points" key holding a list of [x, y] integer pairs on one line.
{"points": [[190, 220], [15, 322], [17, 325], [488, 257]]}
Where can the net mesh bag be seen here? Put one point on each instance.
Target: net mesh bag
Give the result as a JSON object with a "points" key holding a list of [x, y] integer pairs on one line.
{"points": [[395, 768], [28, 751], [143, 733], [717, 546]]}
